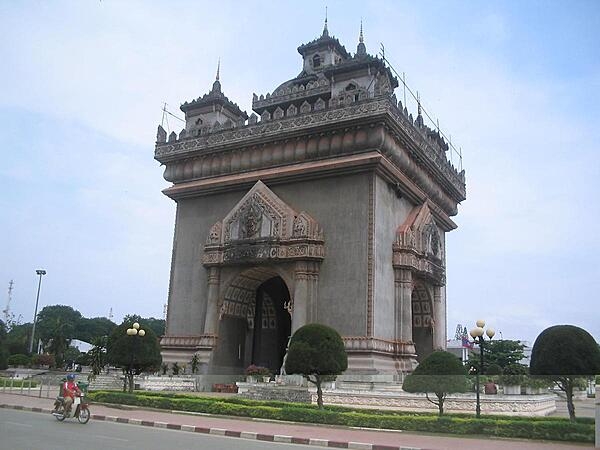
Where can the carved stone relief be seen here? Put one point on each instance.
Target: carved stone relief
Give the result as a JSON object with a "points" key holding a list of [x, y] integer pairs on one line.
{"points": [[419, 247], [262, 227]]}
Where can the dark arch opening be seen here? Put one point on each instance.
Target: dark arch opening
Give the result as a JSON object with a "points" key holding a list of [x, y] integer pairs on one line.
{"points": [[422, 326], [272, 325], [255, 325]]}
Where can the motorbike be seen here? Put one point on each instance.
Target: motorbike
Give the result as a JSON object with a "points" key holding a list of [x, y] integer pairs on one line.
{"points": [[80, 409]]}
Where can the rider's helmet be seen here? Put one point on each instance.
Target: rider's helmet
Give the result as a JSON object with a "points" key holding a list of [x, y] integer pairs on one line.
{"points": [[70, 377]]}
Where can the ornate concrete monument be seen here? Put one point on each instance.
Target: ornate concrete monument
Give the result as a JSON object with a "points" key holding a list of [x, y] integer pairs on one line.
{"points": [[330, 204]]}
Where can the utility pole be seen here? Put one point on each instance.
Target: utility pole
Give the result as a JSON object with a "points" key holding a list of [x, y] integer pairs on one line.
{"points": [[41, 273]]}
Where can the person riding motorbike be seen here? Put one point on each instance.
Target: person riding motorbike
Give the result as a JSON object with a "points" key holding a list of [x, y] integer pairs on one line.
{"points": [[70, 390]]}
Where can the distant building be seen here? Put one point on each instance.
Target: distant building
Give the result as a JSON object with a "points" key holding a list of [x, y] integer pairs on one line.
{"points": [[328, 204]]}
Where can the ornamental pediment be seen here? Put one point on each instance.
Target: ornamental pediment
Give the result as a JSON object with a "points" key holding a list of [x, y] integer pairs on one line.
{"points": [[261, 226], [418, 245]]}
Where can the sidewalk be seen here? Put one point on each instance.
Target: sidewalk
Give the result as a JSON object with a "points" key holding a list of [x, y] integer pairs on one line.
{"points": [[325, 436]]}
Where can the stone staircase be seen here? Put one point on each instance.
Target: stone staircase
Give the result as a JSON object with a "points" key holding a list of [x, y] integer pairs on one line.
{"points": [[107, 383]]}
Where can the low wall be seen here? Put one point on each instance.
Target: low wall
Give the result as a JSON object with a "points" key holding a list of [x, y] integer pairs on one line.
{"points": [[166, 383], [272, 391], [514, 405]]}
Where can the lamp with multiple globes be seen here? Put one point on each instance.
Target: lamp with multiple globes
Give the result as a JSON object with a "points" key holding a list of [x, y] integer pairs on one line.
{"points": [[477, 334], [135, 332]]}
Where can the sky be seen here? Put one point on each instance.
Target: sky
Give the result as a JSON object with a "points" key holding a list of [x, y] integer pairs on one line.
{"points": [[515, 83]]}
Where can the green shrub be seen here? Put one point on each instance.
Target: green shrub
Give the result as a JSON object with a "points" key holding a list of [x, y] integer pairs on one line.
{"points": [[441, 373], [513, 375], [19, 360], [544, 428], [43, 359], [7, 382]]}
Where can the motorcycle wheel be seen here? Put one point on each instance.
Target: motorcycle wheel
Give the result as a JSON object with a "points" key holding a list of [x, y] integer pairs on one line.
{"points": [[84, 415], [60, 414]]}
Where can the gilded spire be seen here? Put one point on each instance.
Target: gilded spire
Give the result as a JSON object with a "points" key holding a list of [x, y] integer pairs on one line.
{"points": [[325, 30], [216, 88], [360, 37], [361, 50]]}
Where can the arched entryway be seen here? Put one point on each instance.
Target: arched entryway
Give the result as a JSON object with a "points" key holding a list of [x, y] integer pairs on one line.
{"points": [[254, 322], [422, 316]]}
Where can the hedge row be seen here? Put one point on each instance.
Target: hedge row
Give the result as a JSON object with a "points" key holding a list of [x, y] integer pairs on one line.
{"points": [[556, 429], [11, 382], [282, 404]]}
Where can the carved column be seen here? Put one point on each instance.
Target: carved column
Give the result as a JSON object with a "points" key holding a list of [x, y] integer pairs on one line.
{"points": [[306, 274], [403, 304], [212, 307], [439, 317]]}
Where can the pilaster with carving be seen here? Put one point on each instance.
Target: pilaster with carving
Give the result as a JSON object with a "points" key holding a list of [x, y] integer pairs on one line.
{"points": [[306, 276], [439, 317], [212, 307], [403, 295]]}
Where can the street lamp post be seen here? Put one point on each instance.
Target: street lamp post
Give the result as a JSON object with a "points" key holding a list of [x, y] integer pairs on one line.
{"points": [[40, 273], [134, 332], [477, 334]]}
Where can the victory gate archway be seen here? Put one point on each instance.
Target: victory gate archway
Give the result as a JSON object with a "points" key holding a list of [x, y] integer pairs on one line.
{"points": [[254, 321]]}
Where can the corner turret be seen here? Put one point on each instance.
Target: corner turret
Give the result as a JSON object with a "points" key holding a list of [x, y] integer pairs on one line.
{"points": [[213, 110]]}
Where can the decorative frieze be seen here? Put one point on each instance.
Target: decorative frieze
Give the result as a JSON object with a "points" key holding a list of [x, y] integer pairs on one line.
{"points": [[355, 344], [534, 405], [236, 150], [198, 342]]}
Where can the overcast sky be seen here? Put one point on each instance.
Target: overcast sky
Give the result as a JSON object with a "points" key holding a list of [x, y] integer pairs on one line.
{"points": [[516, 84]]}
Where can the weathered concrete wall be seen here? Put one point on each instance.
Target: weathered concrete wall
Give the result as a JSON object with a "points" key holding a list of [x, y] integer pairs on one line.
{"points": [[338, 204], [390, 212], [187, 300]]}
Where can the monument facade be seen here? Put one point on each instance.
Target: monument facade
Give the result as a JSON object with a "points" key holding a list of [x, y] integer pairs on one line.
{"points": [[328, 204]]}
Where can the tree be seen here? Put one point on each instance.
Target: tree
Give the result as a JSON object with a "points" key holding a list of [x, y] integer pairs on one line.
{"points": [[504, 353], [71, 355], [3, 347], [17, 339], [56, 327], [441, 373], [89, 329], [564, 353], [135, 354], [317, 352], [97, 355]]}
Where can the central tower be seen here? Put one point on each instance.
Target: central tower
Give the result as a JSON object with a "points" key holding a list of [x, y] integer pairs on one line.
{"points": [[328, 204]]}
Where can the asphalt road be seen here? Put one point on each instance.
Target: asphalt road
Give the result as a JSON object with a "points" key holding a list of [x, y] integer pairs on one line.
{"points": [[22, 430]]}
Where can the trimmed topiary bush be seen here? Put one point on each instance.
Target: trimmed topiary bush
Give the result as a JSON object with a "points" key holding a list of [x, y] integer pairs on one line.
{"points": [[563, 353], [317, 352], [441, 373]]}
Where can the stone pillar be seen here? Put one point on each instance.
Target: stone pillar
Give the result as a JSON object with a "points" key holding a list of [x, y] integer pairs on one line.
{"points": [[439, 317], [212, 301], [403, 304], [306, 274]]}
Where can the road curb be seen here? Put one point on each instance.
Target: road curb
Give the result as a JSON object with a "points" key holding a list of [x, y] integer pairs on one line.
{"points": [[229, 433]]}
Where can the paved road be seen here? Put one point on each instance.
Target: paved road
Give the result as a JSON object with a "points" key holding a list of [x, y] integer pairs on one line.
{"points": [[258, 430], [22, 430]]}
